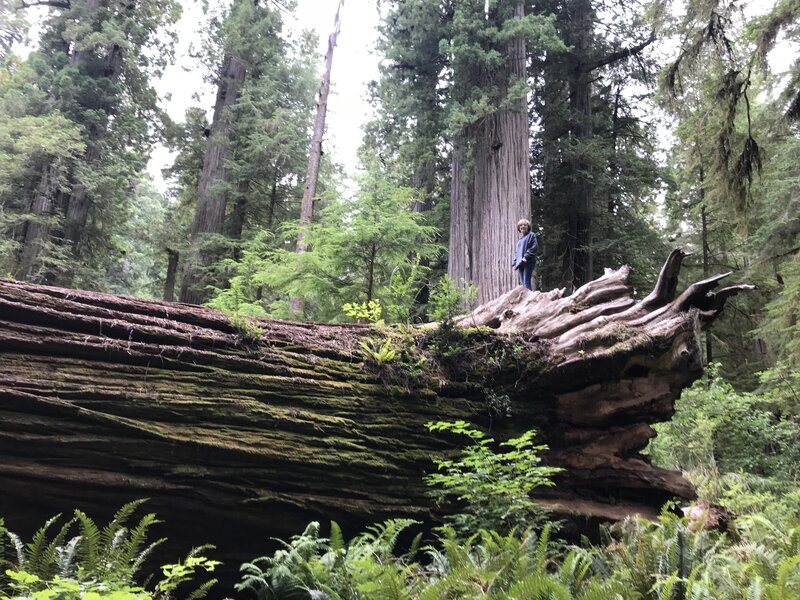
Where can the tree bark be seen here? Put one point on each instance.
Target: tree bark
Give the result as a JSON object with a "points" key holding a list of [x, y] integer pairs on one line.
{"points": [[459, 256], [172, 271], [212, 198], [105, 399], [34, 233], [297, 303], [483, 217]]}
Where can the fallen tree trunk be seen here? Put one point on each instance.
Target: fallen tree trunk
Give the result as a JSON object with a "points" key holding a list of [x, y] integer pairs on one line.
{"points": [[252, 429]]}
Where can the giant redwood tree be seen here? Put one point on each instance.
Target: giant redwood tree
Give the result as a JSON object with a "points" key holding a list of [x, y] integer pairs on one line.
{"points": [[240, 56], [462, 67], [256, 147], [490, 167], [92, 68], [239, 430]]}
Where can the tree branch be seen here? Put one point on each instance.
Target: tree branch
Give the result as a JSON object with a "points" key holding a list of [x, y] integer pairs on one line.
{"points": [[65, 4], [620, 54]]}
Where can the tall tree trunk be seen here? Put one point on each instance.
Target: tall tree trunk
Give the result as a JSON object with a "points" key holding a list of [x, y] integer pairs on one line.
{"points": [[34, 233], [209, 215], [74, 207], [578, 260], [172, 271], [423, 180], [273, 200], [79, 201], [297, 304], [459, 263], [76, 210], [501, 188], [239, 212], [706, 268]]}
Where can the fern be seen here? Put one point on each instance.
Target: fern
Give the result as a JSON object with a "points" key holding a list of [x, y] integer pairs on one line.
{"points": [[575, 569], [788, 577], [66, 558], [538, 586], [90, 547], [202, 591], [131, 553], [19, 549], [381, 539], [337, 540], [40, 555], [608, 590], [755, 590], [540, 556], [111, 532], [97, 560]]}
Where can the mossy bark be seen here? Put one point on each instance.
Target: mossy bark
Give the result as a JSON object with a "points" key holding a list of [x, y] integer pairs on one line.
{"points": [[253, 430]]}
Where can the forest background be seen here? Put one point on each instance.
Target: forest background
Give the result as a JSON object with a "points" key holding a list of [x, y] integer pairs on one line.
{"points": [[622, 129]]}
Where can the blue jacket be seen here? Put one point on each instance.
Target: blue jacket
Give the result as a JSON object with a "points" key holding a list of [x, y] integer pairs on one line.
{"points": [[527, 248]]}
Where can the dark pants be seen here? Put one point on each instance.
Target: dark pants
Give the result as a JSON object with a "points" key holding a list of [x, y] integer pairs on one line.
{"points": [[526, 275]]}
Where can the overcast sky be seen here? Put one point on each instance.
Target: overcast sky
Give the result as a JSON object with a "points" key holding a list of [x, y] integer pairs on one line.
{"points": [[354, 65]]}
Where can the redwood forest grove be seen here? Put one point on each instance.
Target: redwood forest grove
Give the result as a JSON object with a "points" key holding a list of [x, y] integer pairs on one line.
{"points": [[263, 334]]}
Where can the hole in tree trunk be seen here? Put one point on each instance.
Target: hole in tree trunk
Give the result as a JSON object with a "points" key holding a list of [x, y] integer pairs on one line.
{"points": [[636, 371]]}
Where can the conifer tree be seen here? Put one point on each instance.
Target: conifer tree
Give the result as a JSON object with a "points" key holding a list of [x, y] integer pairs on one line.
{"points": [[93, 68], [590, 140], [255, 143], [468, 76]]}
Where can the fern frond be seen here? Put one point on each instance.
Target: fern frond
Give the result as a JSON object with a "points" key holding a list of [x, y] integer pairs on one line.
{"points": [[609, 590], [54, 553], [142, 556], [336, 540], [89, 550], [787, 571], [202, 591], [65, 560], [415, 545], [383, 537], [19, 548], [36, 555], [575, 568], [131, 553], [792, 546], [119, 523], [755, 591], [539, 587], [542, 546]]}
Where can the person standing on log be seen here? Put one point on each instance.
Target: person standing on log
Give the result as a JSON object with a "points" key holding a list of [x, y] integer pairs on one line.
{"points": [[525, 253]]}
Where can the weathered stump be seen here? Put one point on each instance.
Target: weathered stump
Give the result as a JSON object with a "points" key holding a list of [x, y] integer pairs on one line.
{"points": [[237, 434]]}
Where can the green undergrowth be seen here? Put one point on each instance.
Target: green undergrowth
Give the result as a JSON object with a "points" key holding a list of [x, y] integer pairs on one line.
{"points": [[670, 558], [666, 559], [78, 559], [741, 449]]}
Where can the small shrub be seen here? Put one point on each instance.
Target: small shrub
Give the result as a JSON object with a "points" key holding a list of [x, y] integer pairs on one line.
{"points": [[364, 312], [492, 487]]}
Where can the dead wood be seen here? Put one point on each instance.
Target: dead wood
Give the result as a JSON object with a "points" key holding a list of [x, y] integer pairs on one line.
{"points": [[254, 431]]}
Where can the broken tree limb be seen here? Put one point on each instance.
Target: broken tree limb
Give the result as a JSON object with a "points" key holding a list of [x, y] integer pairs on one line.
{"points": [[254, 429]]}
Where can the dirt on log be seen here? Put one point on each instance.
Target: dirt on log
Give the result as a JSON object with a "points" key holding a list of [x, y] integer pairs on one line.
{"points": [[240, 431]]}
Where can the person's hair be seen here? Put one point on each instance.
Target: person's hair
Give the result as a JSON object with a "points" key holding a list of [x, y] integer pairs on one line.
{"points": [[523, 222]]}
